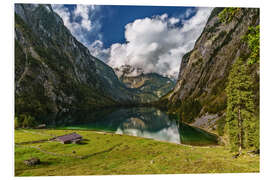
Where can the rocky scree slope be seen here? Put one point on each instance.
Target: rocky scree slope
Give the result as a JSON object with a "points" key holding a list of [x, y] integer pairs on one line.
{"points": [[54, 72], [200, 89]]}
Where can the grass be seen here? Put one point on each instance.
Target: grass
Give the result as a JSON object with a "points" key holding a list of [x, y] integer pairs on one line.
{"points": [[106, 153]]}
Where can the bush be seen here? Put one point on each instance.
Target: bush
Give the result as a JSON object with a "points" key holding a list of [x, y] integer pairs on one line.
{"points": [[228, 14], [26, 121], [16, 122]]}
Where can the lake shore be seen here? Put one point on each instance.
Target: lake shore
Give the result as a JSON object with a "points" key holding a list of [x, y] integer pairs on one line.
{"points": [[103, 153]]}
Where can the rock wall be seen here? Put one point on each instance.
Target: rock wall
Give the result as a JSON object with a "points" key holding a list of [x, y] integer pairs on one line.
{"points": [[204, 70], [54, 72]]}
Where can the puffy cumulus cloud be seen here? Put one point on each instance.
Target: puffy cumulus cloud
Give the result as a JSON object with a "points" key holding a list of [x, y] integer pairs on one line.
{"points": [[188, 13], [82, 11], [157, 44], [174, 20], [163, 16], [80, 20], [97, 50]]}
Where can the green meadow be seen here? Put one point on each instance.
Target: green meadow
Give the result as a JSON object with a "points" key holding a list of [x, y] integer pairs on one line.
{"points": [[103, 153]]}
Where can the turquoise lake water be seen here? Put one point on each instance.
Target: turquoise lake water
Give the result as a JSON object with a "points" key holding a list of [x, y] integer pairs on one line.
{"points": [[140, 121]]}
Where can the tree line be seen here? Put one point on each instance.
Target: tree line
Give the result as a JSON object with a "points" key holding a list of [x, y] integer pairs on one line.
{"points": [[242, 115]]}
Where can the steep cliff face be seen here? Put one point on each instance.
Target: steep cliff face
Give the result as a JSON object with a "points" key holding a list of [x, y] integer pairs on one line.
{"points": [[204, 70], [54, 72], [148, 86]]}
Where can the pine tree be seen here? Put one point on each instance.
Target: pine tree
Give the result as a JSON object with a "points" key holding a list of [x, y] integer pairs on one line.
{"points": [[240, 117]]}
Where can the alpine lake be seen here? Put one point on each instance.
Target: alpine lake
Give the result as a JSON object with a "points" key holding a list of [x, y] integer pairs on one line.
{"points": [[144, 122]]}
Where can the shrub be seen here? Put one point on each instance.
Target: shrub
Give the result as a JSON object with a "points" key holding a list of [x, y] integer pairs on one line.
{"points": [[27, 120], [16, 122], [228, 14]]}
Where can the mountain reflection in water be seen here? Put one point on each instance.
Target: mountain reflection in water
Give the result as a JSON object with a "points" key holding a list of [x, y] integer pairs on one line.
{"points": [[142, 121]]}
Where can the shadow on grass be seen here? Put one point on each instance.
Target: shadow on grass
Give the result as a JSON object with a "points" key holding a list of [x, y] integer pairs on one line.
{"points": [[83, 142], [45, 163]]}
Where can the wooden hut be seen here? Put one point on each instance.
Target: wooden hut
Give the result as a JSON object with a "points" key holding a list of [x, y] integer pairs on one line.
{"points": [[69, 138]]}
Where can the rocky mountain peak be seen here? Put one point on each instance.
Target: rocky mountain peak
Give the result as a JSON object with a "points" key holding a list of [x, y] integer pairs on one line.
{"points": [[128, 71], [149, 86]]}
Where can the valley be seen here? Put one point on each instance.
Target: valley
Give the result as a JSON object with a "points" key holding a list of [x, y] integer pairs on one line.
{"points": [[149, 86], [134, 121]]}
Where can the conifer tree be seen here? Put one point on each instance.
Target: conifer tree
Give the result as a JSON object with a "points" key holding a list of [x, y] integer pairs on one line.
{"points": [[240, 118]]}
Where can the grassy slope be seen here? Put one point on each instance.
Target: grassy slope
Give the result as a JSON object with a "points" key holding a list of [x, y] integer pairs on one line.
{"points": [[121, 154]]}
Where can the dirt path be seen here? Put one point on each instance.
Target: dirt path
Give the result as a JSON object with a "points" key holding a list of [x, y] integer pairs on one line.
{"points": [[39, 133]]}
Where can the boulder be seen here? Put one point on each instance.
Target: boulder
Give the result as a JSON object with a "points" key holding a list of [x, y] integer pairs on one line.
{"points": [[32, 161]]}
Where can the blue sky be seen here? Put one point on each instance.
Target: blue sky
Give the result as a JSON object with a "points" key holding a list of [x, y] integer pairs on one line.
{"points": [[114, 18], [113, 27], [150, 37]]}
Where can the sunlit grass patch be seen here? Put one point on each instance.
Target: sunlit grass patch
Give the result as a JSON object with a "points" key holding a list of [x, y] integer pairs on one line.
{"points": [[105, 153]]}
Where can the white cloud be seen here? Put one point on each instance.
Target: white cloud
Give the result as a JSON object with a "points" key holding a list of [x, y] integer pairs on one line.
{"points": [[97, 50], [83, 12], [174, 20], [189, 12], [79, 21], [164, 16], [63, 13], [156, 46]]}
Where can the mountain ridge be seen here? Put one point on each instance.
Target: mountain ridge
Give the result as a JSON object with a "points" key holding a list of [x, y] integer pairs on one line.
{"points": [[149, 86], [54, 72], [204, 70]]}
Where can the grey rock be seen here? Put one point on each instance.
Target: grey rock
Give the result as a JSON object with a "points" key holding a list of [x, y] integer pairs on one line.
{"points": [[32, 161]]}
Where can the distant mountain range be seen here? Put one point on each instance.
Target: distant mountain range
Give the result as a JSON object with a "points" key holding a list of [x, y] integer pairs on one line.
{"points": [[149, 86]]}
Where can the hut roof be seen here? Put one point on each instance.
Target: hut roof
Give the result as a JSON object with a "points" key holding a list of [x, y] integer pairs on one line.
{"points": [[69, 137]]}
